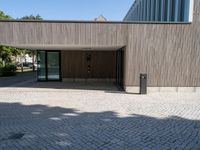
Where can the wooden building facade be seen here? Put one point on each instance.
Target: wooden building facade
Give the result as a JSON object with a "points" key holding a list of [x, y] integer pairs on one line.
{"points": [[169, 53]]}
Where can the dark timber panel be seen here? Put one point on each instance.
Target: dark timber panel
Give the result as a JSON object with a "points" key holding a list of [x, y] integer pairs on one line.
{"points": [[75, 65]]}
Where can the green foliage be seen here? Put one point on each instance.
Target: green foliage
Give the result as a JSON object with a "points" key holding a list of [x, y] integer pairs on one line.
{"points": [[4, 16], [32, 17], [31, 53], [8, 70], [15, 51], [5, 53], [1, 64]]}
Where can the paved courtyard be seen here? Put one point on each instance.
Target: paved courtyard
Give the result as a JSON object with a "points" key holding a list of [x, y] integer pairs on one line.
{"points": [[33, 118]]}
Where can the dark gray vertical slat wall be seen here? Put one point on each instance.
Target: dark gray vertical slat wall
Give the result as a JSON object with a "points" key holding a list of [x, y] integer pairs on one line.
{"points": [[168, 53]]}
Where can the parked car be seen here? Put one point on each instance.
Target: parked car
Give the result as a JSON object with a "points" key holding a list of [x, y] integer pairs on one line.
{"points": [[24, 64], [30, 65]]}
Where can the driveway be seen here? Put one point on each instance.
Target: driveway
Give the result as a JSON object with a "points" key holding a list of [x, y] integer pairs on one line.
{"points": [[76, 119], [20, 78]]}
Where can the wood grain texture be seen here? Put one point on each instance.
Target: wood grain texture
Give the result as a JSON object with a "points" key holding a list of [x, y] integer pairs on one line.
{"points": [[168, 53], [74, 64], [90, 34]]}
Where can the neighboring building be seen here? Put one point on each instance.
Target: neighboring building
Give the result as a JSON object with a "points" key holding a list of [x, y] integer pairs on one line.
{"points": [[168, 52], [100, 18], [161, 10]]}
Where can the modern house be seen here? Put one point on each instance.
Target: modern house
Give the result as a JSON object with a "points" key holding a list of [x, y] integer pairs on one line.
{"points": [[160, 38], [100, 18]]}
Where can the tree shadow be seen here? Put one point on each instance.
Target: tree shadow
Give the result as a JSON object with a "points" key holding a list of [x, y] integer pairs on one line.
{"points": [[44, 127]]}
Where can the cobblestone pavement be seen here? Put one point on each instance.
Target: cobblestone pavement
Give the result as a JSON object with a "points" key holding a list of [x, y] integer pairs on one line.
{"points": [[40, 118]]}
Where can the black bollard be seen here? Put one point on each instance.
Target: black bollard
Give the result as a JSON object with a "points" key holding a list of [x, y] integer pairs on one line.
{"points": [[143, 83]]}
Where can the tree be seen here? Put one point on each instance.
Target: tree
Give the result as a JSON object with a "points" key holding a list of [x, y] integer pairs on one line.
{"points": [[32, 17], [4, 16], [7, 52], [5, 55]]}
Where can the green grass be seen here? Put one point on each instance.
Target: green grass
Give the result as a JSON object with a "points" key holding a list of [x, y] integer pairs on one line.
{"points": [[25, 69]]}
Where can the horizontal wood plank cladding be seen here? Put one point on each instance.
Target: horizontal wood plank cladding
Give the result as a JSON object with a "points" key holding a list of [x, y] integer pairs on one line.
{"points": [[91, 34], [74, 64]]}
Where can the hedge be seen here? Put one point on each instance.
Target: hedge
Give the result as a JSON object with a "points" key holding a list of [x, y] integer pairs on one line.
{"points": [[8, 70]]}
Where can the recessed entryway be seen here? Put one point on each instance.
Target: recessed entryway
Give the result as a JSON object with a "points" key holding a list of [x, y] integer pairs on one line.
{"points": [[96, 66], [82, 66]]}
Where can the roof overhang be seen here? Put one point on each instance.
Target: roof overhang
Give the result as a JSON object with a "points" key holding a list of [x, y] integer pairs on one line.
{"points": [[66, 47]]}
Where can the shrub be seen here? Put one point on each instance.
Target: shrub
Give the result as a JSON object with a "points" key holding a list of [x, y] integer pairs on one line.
{"points": [[1, 73], [8, 70], [1, 64]]}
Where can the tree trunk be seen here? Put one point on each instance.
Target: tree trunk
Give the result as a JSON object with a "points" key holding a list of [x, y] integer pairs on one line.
{"points": [[3, 62], [33, 59], [22, 67]]}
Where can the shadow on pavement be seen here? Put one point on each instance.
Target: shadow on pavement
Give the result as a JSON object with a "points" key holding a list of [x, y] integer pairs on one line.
{"points": [[20, 79], [29, 80], [44, 127]]}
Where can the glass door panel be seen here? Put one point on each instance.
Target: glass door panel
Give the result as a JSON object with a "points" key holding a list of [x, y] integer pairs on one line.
{"points": [[41, 61], [53, 65]]}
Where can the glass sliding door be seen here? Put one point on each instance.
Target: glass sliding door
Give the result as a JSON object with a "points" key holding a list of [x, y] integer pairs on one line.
{"points": [[53, 66], [49, 66]]}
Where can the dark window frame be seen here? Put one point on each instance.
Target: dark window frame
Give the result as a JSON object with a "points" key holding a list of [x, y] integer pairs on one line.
{"points": [[46, 66]]}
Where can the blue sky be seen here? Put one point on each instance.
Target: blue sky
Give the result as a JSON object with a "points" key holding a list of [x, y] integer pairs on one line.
{"points": [[67, 9]]}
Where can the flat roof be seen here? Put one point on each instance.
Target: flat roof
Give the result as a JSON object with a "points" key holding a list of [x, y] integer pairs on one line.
{"points": [[99, 22]]}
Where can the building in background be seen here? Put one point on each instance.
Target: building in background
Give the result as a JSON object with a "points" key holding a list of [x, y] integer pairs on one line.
{"points": [[161, 10], [100, 18]]}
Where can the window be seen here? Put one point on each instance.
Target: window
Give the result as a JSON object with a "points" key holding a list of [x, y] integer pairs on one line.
{"points": [[143, 10], [150, 8], [154, 10], [140, 11], [179, 10], [187, 11], [173, 12], [48, 65], [165, 11], [159, 10]]}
